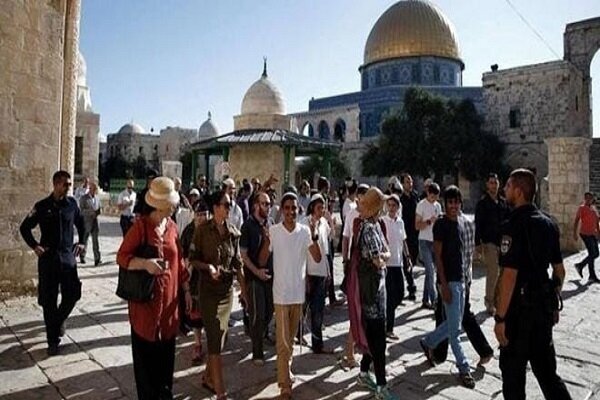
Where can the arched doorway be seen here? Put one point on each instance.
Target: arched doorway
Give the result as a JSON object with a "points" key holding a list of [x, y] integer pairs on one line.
{"points": [[308, 130], [339, 131], [324, 132]]}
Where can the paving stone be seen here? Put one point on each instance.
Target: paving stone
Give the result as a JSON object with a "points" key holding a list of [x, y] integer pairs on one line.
{"points": [[84, 377]]}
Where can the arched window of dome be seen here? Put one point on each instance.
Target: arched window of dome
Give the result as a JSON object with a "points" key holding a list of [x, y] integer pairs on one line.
{"points": [[339, 131], [324, 132], [308, 130]]}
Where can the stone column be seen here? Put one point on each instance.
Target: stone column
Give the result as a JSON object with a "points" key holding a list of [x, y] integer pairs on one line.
{"points": [[569, 179], [69, 98]]}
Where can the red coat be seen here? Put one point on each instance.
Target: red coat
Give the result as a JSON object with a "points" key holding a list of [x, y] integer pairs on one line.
{"points": [[157, 319]]}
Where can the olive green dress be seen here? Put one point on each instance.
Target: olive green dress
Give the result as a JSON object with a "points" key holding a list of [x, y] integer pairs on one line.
{"points": [[216, 297]]}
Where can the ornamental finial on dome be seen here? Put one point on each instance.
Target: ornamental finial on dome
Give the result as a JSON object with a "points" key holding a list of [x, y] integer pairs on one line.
{"points": [[209, 116], [264, 74]]}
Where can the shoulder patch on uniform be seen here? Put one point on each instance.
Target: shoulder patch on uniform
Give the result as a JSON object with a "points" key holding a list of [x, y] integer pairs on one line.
{"points": [[505, 244]]}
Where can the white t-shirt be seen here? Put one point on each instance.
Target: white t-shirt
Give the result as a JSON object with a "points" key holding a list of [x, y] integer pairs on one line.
{"points": [[236, 217], [396, 236], [348, 223], [125, 197], [324, 231], [290, 250], [348, 205], [426, 210]]}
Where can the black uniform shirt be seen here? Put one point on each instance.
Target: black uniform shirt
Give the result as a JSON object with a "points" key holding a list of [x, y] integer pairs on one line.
{"points": [[529, 243], [56, 220], [409, 210]]}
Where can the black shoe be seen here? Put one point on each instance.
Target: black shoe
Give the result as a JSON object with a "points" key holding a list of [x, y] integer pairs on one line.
{"points": [[594, 280], [428, 353], [96, 263], [579, 268], [411, 297], [82, 260], [467, 380], [52, 350]]}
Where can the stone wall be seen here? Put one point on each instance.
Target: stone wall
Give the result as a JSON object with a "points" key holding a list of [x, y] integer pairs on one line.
{"points": [[260, 161], [35, 137], [172, 139], [348, 114], [88, 128], [262, 121], [568, 181], [543, 101]]}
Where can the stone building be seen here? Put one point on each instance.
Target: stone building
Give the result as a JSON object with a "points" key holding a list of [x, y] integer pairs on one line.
{"points": [[172, 140], [132, 141], [87, 128], [412, 44], [38, 107]]}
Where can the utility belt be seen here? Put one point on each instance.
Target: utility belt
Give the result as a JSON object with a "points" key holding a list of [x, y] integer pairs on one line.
{"points": [[543, 297]]}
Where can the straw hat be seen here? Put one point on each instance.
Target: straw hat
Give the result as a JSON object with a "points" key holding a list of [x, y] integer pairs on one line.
{"points": [[372, 202], [162, 194]]}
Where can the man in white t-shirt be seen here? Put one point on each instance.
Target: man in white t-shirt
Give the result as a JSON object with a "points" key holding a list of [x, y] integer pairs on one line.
{"points": [[125, 204], [236, 218], [394, 278], [317, 272], [290, 243], [428, 211]]}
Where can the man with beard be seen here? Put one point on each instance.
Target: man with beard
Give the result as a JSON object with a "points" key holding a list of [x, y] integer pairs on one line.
{"points": [[527, 304]]}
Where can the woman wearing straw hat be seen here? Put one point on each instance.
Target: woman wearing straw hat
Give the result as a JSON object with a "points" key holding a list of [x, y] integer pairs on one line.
{"points": [[215, 253], [367, 292], [154, 324]]}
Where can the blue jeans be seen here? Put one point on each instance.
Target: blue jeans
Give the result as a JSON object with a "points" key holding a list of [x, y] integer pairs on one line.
{"points": [[426, 253], [450, 328], [591, 244]]}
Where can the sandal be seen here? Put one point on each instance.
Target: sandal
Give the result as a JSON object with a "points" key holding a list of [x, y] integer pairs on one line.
{"points": [[347, 363], [206, 385]]}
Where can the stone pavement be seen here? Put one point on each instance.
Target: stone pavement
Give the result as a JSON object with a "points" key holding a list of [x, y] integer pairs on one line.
{"points": [[95, 359]]}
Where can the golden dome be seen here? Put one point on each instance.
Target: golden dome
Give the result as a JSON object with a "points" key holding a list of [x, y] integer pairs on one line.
{"points": [[411, 28]]}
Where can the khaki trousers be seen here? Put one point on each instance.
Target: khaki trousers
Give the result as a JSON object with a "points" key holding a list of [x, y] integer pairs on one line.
{"points": [[287, 318], [490, 260]]}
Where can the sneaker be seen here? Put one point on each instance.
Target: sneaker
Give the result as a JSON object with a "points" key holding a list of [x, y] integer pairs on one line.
{"points": [[579, 268], [52, 350], [428, 353], [392, 336], [467, 380], [383, 393], [365, 380]]}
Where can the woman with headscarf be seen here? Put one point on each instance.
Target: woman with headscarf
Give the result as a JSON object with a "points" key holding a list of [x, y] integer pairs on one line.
{"points": [[154, 324], [215, 253]]}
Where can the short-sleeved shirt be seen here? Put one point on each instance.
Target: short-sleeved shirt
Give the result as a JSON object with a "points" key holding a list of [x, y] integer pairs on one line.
{"points": [[396, 236], [209, 246], [530, 242], [250, 241], [348, 224], [450, 233], [290, 251], [349, 204], [129, 197], [320, 268], [426, 210], [589, 220], [371, 280]]}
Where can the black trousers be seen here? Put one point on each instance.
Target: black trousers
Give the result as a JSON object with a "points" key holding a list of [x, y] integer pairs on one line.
{"points": [[331, 285], [413, 248], [394, 287], [529, 333], [153, 365], [126, 223], [55, 277], [375, 333], [260, 313], [469, 324]]}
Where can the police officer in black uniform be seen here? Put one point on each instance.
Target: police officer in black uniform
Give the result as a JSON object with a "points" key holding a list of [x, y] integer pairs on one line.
{"points": [[56, 215], [526, 297]]}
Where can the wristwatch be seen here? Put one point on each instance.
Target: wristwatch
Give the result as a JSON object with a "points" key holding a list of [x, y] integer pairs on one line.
{"points": [[499, 319]]}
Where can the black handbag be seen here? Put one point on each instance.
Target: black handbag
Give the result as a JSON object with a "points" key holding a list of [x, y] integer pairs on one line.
{"points": [[138, 285]]}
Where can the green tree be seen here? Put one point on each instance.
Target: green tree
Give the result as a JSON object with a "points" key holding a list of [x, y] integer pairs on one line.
{"points": [[318, 163], [431, 136], [116, 167], [139, 167]]}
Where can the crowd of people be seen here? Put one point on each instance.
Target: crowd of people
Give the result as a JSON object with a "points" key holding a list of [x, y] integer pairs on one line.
{"points": [[280, 250]]}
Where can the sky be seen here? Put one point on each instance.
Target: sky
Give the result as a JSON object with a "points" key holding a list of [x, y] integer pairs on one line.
{"points": [[167, 63]]}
